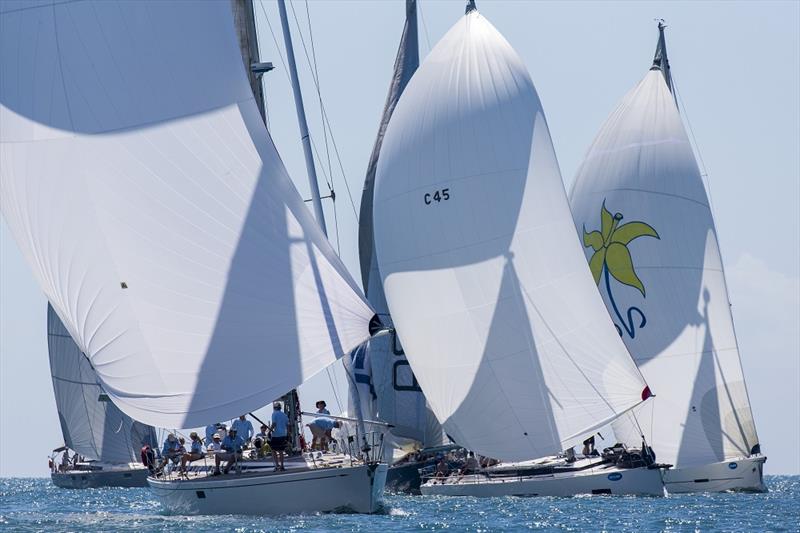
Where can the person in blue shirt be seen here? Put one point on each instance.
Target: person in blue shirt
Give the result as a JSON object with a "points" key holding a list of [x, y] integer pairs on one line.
{"points": [[210, 430], [280, 432], [321, 432], [244, 428], [195, 452], [170, 451], [232, 444]]}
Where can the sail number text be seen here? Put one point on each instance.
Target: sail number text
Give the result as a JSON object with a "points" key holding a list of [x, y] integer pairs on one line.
{"points": [[436, 196]]}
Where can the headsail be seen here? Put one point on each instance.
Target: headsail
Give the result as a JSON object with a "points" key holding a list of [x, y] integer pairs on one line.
{"points": [[402, 403], [146, 195], [482, 269], [91, 425], [641, 187]]}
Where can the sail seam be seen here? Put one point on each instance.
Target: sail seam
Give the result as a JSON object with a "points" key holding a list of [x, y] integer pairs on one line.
{"points": [[633, 189]]}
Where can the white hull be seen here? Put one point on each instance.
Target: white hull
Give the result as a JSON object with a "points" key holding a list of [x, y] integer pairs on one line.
{"points": [[351, 488], [610, 480], [108, 477], [736, 475]]}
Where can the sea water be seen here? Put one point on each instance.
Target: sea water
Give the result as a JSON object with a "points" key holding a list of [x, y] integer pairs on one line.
{"points": [[36, 505]]}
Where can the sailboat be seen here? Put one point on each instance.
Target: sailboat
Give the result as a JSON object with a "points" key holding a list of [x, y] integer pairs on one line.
{"points": [[93, 428], [148, 199], [388, 388], [485, 279], [657, 262]]}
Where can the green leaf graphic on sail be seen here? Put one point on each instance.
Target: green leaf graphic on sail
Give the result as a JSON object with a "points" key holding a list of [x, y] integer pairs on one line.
{"points": [[612, 258]]}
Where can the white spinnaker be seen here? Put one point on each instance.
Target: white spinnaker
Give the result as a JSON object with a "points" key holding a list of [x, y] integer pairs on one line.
{"points": [[382, 366], [90, 424], [487, 286], [132, 152], [642, 166]]}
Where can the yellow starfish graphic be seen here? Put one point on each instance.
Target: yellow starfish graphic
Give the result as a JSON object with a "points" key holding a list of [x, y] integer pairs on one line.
{"points": [[610, 246]]}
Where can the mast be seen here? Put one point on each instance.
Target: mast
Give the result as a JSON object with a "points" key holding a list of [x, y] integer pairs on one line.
{"points": [[317, 201], [301, 119], [244, 22], [660, 60]]}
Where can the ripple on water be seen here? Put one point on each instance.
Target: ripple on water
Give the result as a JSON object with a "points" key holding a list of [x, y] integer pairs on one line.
{"points": [[36, 505]]}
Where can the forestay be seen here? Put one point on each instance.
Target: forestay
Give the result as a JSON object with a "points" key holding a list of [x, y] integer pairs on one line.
{"points": [[659, 269], [482, 269], [148, 199], [91, 425], [388, 387]]}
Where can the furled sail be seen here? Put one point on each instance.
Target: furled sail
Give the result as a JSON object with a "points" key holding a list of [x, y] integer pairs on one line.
{"points": [[482, 269], [91, 425], [148, 199], [639, 202], [388, 387]]}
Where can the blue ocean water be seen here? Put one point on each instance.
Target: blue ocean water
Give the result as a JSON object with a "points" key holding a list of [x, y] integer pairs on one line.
{"points": [[36, 505]]}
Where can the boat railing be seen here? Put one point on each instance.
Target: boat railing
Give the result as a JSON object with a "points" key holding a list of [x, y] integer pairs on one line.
{"points": [[248, 460], [371, 451]]}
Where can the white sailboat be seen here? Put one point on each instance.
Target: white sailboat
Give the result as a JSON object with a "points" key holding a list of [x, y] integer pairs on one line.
{"points": [[485, 279], [146, 195], [388, 388], [93, 428], [666, 289]]}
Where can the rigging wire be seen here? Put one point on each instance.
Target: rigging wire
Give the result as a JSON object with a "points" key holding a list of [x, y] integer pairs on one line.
{"points": [[424, 26], [327, 123], [311, 137], [312, 63], [274, 40], [319, 93], [335, 387], [312, 66], [328, 157], [707, 178], [315, 76], [695, 145]]}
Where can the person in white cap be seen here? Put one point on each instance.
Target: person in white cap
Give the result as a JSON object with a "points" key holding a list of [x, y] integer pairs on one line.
{"points": [[216, 444]]}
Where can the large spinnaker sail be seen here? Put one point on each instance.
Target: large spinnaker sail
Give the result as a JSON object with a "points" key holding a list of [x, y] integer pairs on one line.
{"points": [[91, 425], [388, 387], [482, 269], [148, 199], [666, 288]]}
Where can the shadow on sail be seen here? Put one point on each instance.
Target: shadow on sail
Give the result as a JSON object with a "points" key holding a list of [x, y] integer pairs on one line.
{"points": [[155, 212], [704, 405], [257, 319], [509, 373]]}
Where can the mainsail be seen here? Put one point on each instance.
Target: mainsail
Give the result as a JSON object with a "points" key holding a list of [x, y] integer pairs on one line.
{"points": [[482, 269], [389, 389], [658, 265], [91, 425], [146, 195]]}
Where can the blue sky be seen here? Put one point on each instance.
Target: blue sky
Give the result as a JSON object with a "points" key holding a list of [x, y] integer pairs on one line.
{"points": [[737, 70]]}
